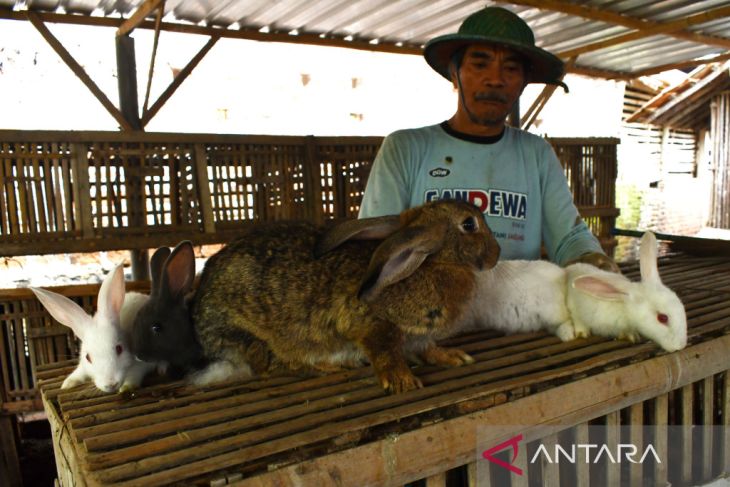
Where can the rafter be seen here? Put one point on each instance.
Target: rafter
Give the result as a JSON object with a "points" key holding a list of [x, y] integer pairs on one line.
{"points": [[158, 22], [691, 93], [534, 111], [182, 75], [657, 28], [77, 69], [594, 13], [254, 35], [682, 65], [599, 73], [138, 16]]}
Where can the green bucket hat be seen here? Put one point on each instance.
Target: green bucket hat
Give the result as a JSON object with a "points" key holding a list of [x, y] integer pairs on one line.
{"points": [[496, 25]]}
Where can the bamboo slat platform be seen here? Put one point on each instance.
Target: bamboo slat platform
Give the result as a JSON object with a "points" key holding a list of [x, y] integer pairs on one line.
{"points": [[341, 429]]}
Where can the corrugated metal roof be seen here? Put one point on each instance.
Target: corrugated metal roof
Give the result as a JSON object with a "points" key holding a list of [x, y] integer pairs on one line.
{"points": [[560, 26]]}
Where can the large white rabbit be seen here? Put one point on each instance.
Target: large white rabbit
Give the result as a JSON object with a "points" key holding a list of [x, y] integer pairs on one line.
{"points": [[105, 357], [518, 296], [608, 304]]}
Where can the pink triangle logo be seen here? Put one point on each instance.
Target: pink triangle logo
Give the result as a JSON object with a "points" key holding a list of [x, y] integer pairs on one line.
{"points": [[514, 442]]}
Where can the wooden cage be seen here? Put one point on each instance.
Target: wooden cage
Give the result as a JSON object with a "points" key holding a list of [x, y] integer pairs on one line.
{"points": [[342, 429], [66, 192]]}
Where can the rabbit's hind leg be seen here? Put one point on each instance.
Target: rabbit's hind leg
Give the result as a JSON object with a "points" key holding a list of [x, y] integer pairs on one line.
{"points": [[570, 330], [219, 371]]}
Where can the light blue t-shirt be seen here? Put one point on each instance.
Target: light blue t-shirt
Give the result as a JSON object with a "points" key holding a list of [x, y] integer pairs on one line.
{"points": [[517, 182]]}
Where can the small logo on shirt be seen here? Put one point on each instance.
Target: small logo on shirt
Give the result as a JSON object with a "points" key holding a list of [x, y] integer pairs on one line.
{"points": [[439, 172]]}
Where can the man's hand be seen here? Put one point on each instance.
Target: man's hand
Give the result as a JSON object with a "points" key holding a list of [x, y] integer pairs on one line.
{"points": [[597, 259]]}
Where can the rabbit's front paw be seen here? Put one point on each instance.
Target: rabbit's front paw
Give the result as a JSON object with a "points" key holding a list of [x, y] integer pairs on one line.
{"points": [[396, 382], [631, 336], [452, 357]]}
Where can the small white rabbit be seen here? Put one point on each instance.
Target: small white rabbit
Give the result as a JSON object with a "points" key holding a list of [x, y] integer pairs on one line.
{"points": [[105, 356], [608, 304], [519, 296]]}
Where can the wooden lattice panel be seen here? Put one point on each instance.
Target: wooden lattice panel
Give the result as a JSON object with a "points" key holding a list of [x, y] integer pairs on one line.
{"points": [[30, 338], [82, 191]]}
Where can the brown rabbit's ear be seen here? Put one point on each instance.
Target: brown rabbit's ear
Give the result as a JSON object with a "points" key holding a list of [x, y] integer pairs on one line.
{"points": [[157, 262], [364, 229], [399, 257]]}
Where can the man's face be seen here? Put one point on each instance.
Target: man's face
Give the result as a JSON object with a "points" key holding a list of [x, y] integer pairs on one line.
{"points": [[492, 79]]}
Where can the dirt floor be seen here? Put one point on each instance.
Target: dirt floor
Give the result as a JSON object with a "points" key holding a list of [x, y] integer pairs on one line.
{"points": [[37, 464]]}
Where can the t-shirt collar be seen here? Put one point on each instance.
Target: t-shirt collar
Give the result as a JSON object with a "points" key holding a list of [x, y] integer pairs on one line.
{"points": [[477, 139]]}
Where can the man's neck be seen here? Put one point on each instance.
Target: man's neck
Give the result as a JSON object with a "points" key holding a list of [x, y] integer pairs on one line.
{"points": [[462, 123]]}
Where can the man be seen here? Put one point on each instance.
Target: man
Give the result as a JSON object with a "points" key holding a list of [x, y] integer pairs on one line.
{"points": [[513, 176]]}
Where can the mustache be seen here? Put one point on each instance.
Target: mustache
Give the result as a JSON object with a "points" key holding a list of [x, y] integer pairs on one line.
{"points": [[490, 96]]}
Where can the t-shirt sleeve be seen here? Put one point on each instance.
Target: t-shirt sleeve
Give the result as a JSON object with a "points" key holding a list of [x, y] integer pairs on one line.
{"points": [[388, 189], [565, 234]]}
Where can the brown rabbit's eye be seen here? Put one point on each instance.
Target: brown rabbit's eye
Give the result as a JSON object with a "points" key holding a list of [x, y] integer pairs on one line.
{"points": [[469, 225], [662, 318], [88, 358], [156, 328], [118, 349]]}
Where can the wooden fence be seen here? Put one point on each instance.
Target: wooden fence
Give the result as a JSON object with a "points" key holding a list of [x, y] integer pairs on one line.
{"points": [[72, 192], [64, 192]]}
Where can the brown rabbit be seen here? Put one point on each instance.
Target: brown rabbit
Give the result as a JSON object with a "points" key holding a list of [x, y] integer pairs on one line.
{"points": [[293, 294]]}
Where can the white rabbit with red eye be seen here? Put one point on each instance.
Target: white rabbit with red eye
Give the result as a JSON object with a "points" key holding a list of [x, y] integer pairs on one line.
{"points": [[105, 357], [608, 304]]}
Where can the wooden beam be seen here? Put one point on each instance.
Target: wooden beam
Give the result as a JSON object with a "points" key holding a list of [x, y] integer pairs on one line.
{"points": [[138, 16], [542, 100], [127, 80], [255, 35], [655, 29], [158, 23], [184, 73], [666, 94], [599, 73], [688, 94], [594, 13], [682, 65], [35, 19]]}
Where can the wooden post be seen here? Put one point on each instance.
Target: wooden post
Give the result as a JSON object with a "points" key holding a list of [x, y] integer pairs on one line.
{"points": [[203, 185], [9, 462], [127, 81]]}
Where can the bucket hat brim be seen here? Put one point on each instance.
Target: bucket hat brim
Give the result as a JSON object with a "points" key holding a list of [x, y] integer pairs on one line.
{"points": [[544, 66]]}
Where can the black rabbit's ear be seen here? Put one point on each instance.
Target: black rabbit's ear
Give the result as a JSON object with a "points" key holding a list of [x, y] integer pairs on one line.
{"points": [[365, 229], [157, 261], [399, 256], [179, 270]]}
